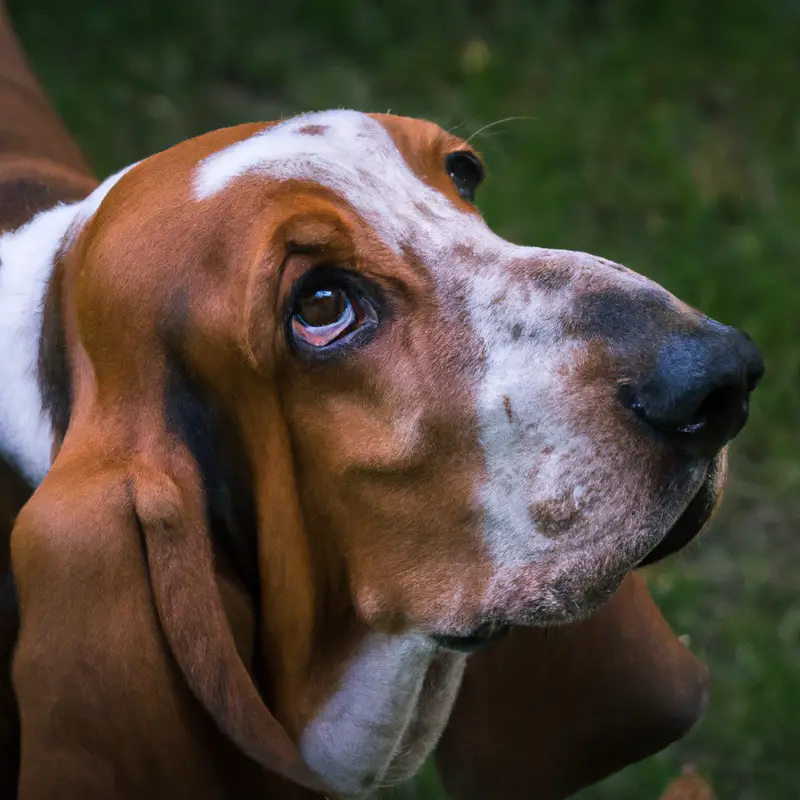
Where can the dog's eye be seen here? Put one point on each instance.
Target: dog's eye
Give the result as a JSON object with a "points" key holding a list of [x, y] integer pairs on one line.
{"points": [[323, 315], [466, 172]]}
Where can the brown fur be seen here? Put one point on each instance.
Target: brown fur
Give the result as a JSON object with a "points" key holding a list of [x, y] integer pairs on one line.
{"points": [[40, 166], [29, 128], [144, 667], [547, 712]]}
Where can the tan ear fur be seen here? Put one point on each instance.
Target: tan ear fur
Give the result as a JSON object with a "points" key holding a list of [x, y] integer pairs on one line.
{"points": [[104, 710], [180, 561], [121, 480], [121, 406], [547, 712]]}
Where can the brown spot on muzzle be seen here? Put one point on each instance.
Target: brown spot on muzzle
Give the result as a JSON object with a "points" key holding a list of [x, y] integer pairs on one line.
{"points": [[424, 210], [551, 278], [555, 516], [313, 130], [507, 407], [595, 363], [547, 274], [464, 252]]}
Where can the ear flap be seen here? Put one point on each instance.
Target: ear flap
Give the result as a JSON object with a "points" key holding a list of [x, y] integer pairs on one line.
{"points": [[103, 712], [547, 712], [180, 561]]}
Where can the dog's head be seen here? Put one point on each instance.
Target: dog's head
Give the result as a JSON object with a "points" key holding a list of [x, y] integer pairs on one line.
{"points": [[435, 430], [479, 431]]}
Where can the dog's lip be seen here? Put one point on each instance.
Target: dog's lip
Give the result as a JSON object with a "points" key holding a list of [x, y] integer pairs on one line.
{"points": [[691, 521], [483, 636]]}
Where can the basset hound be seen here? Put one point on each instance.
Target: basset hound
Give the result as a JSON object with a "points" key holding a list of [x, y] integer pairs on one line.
{"points": [[313, 476]]}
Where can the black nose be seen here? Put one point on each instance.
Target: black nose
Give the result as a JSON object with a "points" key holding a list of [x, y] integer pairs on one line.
{"points": [[698, 394]]}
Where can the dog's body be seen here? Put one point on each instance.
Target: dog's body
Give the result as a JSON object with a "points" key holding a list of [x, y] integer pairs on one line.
{"points": [[260, 547]]}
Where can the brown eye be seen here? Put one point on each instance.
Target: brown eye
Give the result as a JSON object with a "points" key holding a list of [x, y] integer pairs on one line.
{"points": [[323, 315], [323, 307]]}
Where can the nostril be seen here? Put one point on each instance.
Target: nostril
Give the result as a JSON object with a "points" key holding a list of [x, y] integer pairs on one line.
{"points": [[703, 428], [694, 421], [698, 393], [723, 406], [699, 426]]}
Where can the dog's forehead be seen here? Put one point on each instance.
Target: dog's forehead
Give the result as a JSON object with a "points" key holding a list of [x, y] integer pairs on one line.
{"points": [[389, 169]]}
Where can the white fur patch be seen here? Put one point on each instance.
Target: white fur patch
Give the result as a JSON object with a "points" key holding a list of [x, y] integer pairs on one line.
{"points": [[27, 257], [354, 156], [26, 263], [352, 743], [519, 432]]}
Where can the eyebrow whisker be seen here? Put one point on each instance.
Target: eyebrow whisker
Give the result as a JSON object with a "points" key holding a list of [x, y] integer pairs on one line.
{"points": [[497, 122]]}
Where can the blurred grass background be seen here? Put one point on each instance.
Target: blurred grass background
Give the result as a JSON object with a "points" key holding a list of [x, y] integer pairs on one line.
{"points": [[662, 135]]}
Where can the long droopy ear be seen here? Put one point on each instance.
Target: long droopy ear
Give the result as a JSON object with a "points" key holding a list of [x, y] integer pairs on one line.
{"points": [[102, 712], [548, 712], [170, 507]]}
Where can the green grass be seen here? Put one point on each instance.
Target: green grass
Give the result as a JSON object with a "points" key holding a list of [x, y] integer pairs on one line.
{"points": [[664, 135]]}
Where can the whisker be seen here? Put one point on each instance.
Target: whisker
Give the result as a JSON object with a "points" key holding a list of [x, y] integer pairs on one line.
{"points": [[497, 122]]}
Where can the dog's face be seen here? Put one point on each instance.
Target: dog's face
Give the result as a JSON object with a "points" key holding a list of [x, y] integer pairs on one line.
{"points": [[481, 434], [300, 348]]}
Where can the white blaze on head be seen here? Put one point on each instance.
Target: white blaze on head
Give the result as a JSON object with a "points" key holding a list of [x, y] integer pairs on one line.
{"points": [[353, 155]]}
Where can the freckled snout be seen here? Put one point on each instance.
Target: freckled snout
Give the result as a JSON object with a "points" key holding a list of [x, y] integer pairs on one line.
{"points": [[697, 394]]}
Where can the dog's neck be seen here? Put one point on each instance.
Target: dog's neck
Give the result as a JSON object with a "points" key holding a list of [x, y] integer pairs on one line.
{"points": [[27, 258]]}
